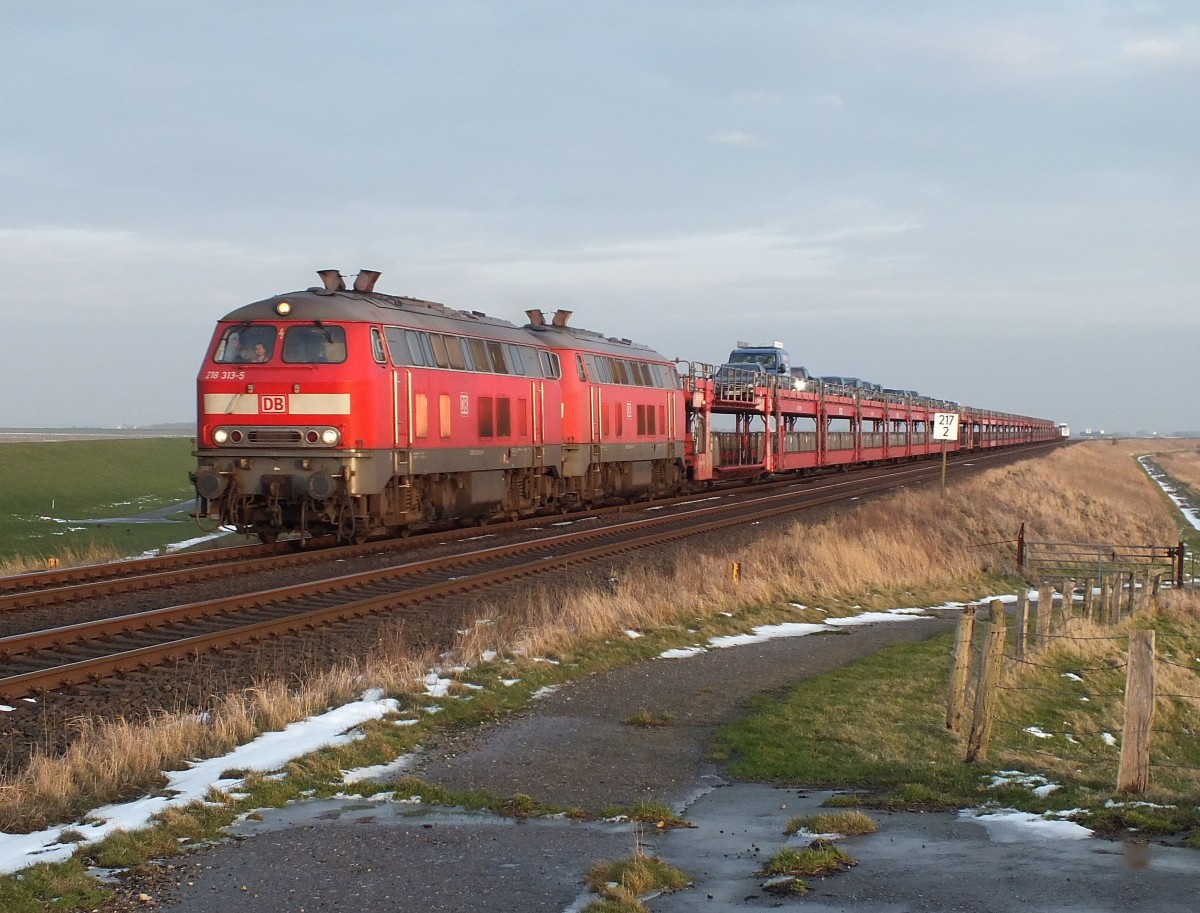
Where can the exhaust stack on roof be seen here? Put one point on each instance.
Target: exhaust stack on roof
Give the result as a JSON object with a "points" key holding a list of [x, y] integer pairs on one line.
{"points": [[561, 317], [332, 280], [536, 318], [365, 280]]}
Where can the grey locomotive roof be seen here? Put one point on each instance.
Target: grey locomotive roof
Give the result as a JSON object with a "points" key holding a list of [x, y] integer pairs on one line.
{"points": [[575, 338], [321, 304]]}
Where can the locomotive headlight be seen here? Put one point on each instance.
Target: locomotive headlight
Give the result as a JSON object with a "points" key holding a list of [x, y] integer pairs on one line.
{"points": [[220, 436], [283, 308], [330, 436]]}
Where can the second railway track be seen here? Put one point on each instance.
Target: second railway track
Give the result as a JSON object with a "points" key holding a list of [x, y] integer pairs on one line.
{"points": [[63, 656]]}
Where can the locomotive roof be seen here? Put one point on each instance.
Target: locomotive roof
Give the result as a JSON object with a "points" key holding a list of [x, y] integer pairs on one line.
{"points": [[348, 305], [565, 337]]}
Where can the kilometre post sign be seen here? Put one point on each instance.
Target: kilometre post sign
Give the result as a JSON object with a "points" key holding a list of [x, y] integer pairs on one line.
{"points": [[945, 428]]}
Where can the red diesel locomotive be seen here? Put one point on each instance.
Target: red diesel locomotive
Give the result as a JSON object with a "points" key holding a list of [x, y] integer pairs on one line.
{"points": [[349, 411], [346, 411]]}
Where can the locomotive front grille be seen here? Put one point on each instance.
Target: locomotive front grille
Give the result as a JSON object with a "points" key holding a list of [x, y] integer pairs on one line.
{"points": [[274, 436]]}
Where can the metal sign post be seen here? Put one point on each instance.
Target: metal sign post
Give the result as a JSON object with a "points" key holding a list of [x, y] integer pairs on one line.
{"points": [[945, 428]]}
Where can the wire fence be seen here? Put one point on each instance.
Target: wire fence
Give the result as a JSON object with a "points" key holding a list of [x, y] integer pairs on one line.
{"points": [[1111, 677]]}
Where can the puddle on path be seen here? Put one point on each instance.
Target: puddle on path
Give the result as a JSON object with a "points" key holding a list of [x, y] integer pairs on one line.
{"points": [[918, 862], [915, 862]]}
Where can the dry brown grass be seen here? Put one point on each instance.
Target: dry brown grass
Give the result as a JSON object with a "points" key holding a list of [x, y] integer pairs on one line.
{"points": [[1183, 464], [883, 551], [68, 557], [119, 759]]}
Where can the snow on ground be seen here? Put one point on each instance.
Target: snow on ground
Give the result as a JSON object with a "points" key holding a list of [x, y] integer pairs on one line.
{"points": [[1007, 825], [800, 629], [1035, 783], [269, 752], [1191, 514]]}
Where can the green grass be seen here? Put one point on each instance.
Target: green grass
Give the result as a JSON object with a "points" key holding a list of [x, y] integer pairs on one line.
{"points": [[818, 858], [848, 823], [60, 886], [877, 727], [43, 486], [876, 724], [621, 883]]}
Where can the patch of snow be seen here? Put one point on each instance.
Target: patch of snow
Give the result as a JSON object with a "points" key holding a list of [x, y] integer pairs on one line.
{"points": [[633, 634], [378, 771], [1011, 826], [681, 653], [1072, 676], [544, 691], [768, 632], [1035, 731], [1108, 738], [436, 686]]}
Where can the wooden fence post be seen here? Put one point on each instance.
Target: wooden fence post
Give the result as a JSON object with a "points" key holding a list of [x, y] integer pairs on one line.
{"points": [[985, 690], [1102, 612], [1143, 600], [1045, 614], [964, 636], [1088, 600], [1068, 599], [1133, 775], [1131, 602], [1022, 619]]}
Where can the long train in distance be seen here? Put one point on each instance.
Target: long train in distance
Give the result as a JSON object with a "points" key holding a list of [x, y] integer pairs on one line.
{"points": [[345, 411]]}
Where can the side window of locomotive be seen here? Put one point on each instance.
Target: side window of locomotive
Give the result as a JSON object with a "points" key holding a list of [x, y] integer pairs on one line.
{"points": [[454, 351], [479, 354], [598, 365], [551, 368], [305, 344], [416, 353], [377, 346], [440, 356], [397, 348], [515, 360], [496, 356], [579, 369]]}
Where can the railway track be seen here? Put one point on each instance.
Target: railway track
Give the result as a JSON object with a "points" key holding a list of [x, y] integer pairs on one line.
{"points": [[61, 657]]}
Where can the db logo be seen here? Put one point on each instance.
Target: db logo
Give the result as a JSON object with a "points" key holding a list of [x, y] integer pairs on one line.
{"points": [[272, 404]]}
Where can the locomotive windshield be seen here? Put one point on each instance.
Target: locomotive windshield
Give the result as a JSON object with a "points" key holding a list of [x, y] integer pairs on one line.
{"points": [[246, 344], [310, 344]]}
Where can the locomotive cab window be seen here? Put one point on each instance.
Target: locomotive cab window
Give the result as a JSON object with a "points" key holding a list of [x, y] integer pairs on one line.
{"points": [[311, 344], [550, 364], [246, 344], [377, 346]]}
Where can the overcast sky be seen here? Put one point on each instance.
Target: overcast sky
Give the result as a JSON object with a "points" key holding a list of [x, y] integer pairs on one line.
{"points": [[990, 203]]}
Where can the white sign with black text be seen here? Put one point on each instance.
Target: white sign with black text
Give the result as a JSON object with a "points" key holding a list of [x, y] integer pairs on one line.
{"points": [[945, 426]]}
